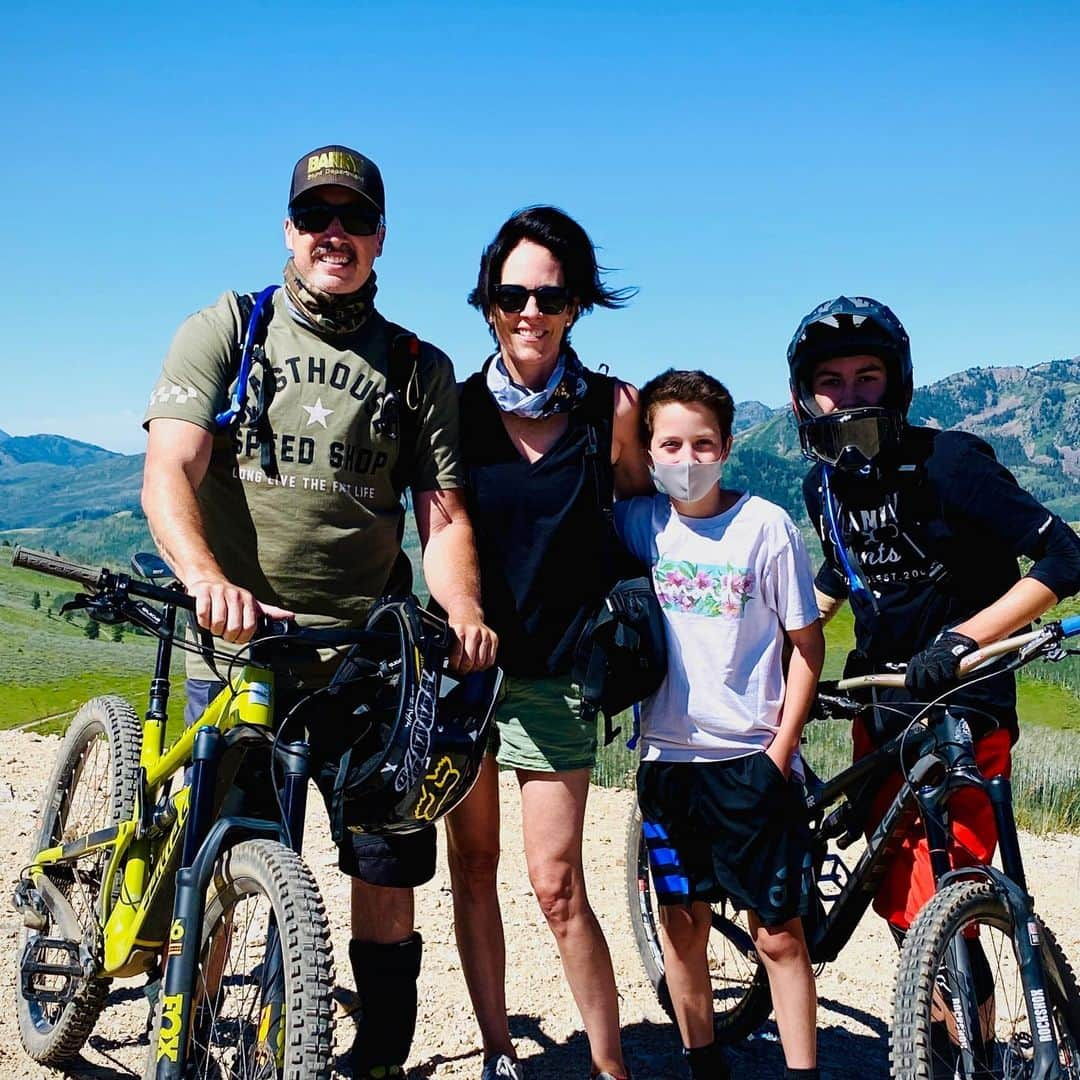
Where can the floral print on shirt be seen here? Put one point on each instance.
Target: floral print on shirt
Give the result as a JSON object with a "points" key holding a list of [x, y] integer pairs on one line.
{"points": [[703, 590]]}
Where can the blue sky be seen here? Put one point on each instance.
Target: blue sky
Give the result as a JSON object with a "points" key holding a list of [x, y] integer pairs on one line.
{"points": [[738, 163]]}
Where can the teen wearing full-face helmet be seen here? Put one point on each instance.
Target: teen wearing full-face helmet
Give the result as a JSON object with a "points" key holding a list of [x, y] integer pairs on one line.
{"points": [[921, 531]]}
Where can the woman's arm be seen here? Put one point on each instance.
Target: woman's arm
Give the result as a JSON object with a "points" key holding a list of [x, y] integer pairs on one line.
{"points": [[627, 456]]}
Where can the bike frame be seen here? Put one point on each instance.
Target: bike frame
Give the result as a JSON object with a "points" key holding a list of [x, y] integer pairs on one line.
{"points": [[129, 843], [188, 842]]}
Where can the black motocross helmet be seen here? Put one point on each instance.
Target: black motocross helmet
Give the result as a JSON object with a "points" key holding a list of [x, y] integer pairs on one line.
{"points": [[412, 738], [850, 439]]}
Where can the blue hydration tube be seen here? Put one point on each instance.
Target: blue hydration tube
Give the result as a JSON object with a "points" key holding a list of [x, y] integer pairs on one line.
{"points": [[1070, 627], [239, 394], [856, 581]]}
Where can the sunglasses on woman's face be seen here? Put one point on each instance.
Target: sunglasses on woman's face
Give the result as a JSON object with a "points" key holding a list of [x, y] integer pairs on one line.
{"points": [[355, 220], [550, 299]]}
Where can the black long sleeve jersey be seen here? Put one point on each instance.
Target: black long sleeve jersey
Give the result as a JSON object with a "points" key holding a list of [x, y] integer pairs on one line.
{"points": [[936, 531]]}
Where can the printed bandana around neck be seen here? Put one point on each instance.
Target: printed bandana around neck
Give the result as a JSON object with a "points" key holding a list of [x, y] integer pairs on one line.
{"points": [[329, 313], [565, 389]]}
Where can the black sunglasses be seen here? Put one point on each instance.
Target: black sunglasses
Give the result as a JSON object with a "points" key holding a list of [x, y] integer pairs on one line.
{"points": [[355, 220], [550, 299]]}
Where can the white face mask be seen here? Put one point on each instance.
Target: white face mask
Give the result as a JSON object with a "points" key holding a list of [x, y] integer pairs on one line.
{"points": [[686, 481]]}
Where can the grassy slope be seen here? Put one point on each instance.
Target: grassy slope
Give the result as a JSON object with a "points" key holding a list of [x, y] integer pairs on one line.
{"points": [[48, 666]]}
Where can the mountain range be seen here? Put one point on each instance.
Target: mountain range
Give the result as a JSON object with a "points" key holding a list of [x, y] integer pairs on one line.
{"points": [[1031, 416]]}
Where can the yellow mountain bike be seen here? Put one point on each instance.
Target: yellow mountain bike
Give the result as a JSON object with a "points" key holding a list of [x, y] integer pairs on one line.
{"points": [[130, 877]]}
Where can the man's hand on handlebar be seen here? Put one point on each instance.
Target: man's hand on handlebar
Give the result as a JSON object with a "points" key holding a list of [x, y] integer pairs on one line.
{"points": [[937, 667], [228, 611]]}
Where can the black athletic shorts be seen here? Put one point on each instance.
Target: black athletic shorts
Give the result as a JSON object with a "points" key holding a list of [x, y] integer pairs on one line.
{"points": [[735, 830], [395, 861]]}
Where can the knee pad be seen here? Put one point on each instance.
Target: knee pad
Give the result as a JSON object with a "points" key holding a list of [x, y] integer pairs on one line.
{"points": [[386, 986]]}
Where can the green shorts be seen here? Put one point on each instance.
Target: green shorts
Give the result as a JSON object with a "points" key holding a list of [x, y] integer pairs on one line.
{"points": [[539, 726]]}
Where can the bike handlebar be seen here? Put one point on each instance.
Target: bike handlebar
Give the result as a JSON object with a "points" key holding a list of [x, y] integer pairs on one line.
{"points": [[57, 567], [106, 581], [1066, 628], [101, 580]]}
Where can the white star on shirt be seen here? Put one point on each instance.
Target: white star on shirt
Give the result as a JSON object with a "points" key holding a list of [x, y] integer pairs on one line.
{"points": [[316, 413]]}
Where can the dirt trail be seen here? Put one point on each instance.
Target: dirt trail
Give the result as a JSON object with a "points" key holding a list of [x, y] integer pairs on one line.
{"points": [[855, 992]]}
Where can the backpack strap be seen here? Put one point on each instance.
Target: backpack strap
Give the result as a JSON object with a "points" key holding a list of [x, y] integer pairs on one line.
{"points": [[249, 349], [398, 415], [598, 410]]}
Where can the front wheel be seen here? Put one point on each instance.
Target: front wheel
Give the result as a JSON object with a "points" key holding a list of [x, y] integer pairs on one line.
{"points": [[965, 935], [262, 1006], [93, 785], [741, 998]]}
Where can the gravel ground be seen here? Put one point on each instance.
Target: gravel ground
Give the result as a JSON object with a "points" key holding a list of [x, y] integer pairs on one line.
{"points": [[855, 992]]}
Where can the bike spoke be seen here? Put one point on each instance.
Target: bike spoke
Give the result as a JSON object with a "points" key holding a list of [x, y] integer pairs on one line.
{"points": [[225, 1040]]}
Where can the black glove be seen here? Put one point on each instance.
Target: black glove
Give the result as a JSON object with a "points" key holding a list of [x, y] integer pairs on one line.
{"points": [[935, 668]]}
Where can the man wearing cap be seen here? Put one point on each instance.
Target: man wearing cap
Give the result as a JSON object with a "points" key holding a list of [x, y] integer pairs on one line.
{"points": [[295, 509]]}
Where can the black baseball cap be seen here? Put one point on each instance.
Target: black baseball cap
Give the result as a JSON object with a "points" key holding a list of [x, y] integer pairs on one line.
{"points": [[341, 166]]}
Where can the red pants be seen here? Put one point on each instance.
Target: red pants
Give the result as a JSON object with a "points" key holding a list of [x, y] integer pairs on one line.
{"points": [[909, 881]]}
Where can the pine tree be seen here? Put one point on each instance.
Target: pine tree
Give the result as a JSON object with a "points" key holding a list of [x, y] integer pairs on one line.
{"points": [[118, 633], [35, 601], [92, 631]]}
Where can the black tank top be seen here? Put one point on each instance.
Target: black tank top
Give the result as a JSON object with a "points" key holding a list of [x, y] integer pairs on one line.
{"points": [[548, 552]]}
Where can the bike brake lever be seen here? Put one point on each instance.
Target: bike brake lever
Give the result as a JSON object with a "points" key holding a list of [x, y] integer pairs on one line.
{"points": [[78, 603]]}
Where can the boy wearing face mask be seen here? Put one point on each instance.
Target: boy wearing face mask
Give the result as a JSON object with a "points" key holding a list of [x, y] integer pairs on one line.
{"points": [[720, 772]]}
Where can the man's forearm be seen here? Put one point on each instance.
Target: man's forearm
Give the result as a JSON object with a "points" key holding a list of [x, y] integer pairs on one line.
{"points": [[172, 512], [827, 605], [1022, 604], [450, 567]]}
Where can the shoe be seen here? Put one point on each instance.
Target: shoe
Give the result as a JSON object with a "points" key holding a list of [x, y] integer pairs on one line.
{"points": [[502, 1067]]}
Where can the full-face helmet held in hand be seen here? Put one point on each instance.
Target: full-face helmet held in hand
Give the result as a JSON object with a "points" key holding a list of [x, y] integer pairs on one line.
{"points": [[412, 737], [850, 438]]}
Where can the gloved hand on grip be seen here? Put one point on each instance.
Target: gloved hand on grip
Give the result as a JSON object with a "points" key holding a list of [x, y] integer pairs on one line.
{"points": [[935, 668]]}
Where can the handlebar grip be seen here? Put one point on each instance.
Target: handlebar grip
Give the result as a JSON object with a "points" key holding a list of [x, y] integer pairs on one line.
{"points": [[861, 681], [61, 568]]}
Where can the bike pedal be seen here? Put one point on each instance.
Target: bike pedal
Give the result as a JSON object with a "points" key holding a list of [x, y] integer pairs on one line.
{"points": [[36, 963]]}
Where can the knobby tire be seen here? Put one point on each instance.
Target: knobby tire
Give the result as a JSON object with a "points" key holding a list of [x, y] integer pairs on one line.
{"points": [[93, 785], [920, 1053]]}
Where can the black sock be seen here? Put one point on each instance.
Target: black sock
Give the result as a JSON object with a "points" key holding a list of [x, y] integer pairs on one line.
{"points": [[386, 986], [800, 1074], [706, 1063]]}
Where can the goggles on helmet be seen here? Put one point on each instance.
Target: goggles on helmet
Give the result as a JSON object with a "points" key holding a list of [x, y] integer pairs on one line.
{"points": [[850, 326], [850, 439]]}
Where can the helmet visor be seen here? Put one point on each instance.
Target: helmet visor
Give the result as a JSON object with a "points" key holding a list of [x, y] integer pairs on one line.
{"points": [[850, 439]]}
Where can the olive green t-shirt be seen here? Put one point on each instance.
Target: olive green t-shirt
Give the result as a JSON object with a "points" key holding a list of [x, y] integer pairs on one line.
{"points": [[321, 537]]}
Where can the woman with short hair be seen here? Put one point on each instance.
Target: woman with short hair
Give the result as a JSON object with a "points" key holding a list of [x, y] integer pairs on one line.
{"points": [[545, 441]]}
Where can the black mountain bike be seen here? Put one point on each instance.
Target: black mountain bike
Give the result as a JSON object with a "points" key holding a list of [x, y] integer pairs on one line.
{"points": [[1009, 1005], [150, 861]]}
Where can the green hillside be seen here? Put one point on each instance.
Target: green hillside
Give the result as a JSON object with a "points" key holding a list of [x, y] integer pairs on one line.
{"points": [[49, 666]]}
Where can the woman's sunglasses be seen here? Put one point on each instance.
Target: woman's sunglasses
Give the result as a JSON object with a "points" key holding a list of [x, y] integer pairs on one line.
{"points": [[355, 220], [550, 299]]}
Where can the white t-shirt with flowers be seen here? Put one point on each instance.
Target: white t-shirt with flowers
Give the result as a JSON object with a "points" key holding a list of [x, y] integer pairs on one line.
{"points": [[729, 586]]}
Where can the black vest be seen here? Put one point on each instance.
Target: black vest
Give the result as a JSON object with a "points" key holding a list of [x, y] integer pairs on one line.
{"points": [[548, 552]]}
